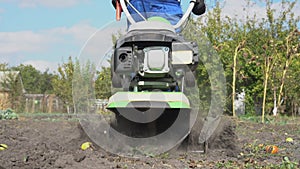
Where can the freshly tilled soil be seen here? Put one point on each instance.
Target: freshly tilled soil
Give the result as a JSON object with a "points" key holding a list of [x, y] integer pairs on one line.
{"points": [[55, 143]]}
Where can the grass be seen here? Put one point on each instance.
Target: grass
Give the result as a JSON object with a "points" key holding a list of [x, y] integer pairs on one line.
{"points": [[39, 114], [278, 120]]}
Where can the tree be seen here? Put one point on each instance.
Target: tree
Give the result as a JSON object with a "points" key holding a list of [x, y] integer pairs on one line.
{"points": [[292, 54], [74, 83], [257, 53], [31, 77], [3, 66], [11, 84], [62, 83], [45, 85], [34, 81], [282, 46], [227, 38], [103, 83], [84, 87]]}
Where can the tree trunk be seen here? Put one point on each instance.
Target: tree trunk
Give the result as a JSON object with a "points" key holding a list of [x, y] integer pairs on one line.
{"points": [[267, 64], [236, 51], [234, 81], [275, 108], [282, 83]]}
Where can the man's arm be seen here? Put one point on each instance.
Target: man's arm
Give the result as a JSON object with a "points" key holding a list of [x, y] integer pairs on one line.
{"points": [[199, 7]]}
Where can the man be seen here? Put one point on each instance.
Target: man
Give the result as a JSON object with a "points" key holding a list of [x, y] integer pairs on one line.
{"points": [[168, 9]]}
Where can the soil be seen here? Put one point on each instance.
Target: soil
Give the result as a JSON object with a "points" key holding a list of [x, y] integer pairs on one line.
{"points": [[54, 142]]}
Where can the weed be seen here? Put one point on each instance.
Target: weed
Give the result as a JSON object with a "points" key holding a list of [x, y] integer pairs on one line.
{"points": [[8, 114], [286, 163], [226, 164], [164, 156]]}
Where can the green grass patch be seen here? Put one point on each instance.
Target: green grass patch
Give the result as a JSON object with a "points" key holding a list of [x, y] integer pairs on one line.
{"points": [[278, 120]]}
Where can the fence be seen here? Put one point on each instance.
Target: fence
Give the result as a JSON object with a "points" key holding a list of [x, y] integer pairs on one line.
{"points": [[46, 103], [4, 101], [51, 103]]}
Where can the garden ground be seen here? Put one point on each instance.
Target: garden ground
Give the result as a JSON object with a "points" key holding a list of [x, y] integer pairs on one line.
{"points": [[53, 141]]}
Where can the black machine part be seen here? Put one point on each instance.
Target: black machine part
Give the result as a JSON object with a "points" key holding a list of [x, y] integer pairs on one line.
{"points": [[123, 61], [127, 60]]}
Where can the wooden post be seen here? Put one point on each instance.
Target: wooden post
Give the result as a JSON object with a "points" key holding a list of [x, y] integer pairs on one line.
{"points": [[50, 103], [33, 105], [26, 105]]}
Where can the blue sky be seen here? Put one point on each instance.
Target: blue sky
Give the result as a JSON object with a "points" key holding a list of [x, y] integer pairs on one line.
{"points": [[44, 33], [18, 16]]}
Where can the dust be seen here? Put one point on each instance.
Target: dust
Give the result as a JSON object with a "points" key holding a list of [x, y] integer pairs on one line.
{"points": [[224, 137]]}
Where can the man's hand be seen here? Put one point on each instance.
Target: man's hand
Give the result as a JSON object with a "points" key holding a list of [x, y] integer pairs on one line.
{"points": [[199, 7]]}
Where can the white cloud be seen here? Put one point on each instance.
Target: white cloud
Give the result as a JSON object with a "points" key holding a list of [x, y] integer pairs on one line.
{"points": [[240, 9], [18, 47], [47, 3], [29, 41], [79, 33], [97, 46], [23, 41], [47, 48]]}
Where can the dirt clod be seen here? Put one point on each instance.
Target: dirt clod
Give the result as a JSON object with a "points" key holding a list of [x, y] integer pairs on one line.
{"points": [[79, 157]]}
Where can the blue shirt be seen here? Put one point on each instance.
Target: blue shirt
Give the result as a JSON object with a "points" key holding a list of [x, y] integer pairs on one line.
{"points": [[168, 9]]}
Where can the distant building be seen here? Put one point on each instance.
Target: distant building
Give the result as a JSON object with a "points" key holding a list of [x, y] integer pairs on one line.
{"points": [[10, 85]]}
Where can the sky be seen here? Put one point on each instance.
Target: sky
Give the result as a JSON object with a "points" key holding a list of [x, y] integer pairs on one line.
{"points": [[44, 33]]}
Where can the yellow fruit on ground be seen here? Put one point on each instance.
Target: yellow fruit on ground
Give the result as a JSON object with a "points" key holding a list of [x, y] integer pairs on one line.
{"points": [[289, 140], [3, 147], [86, 145]]}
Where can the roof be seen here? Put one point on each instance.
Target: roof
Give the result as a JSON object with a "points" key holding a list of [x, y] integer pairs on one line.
{"points": [[6, 75]]}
